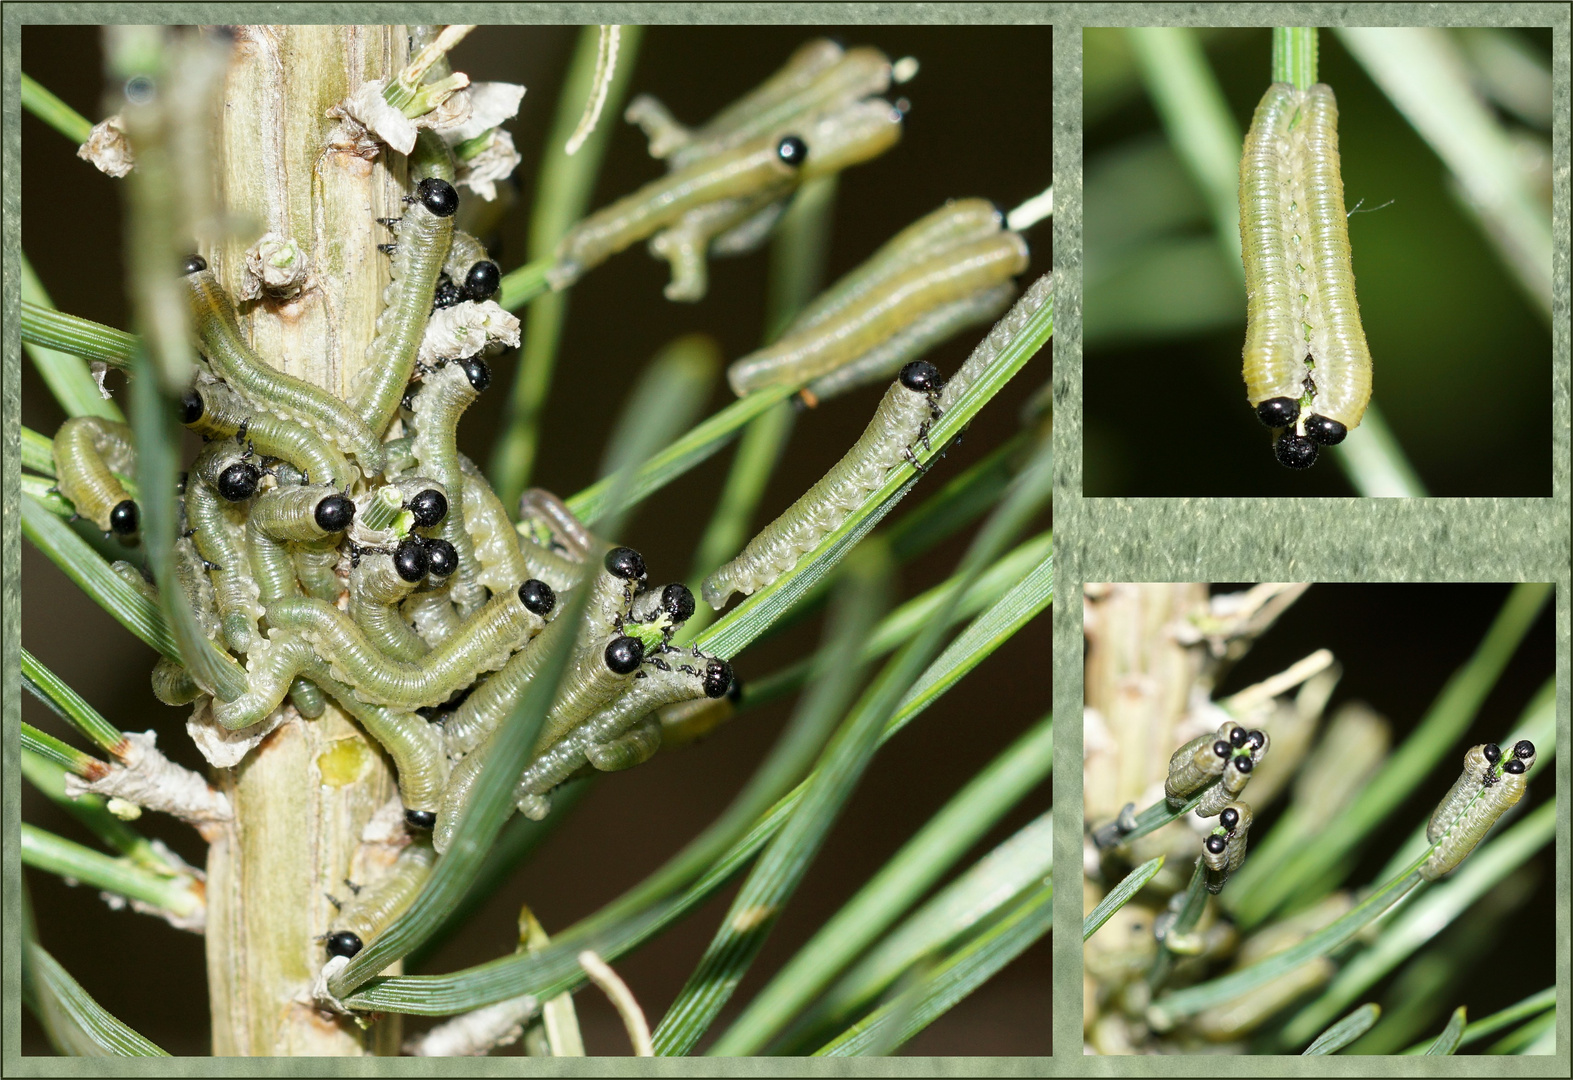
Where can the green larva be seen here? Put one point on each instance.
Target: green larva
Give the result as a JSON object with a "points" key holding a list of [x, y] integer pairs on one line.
{"points": [[1223, 852], [88, 451], [214, 410], [379, 903], [1492, 783]]}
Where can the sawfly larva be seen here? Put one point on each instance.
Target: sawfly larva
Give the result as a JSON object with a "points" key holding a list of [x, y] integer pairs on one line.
{"points": [[213, 410], [1307, 366], [437, 405], [218, 530], [931, 273], [1223, 852], [264, 386], [379, 903], [1492, 783], [1223, 759], [423, 236], [300, 514], [902, 419], [88, 451]]}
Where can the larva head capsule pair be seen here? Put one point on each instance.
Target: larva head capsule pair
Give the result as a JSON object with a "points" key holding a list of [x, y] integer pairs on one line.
{"points": [[1223, 852], [1227, 757], [1293, 449]]}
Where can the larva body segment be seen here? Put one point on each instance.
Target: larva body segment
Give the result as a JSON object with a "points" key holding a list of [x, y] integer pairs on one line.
{"points": [[1194, 765], [441, 400], [881, 312], [900, 421], [316, 566], [432, 615], [88, 451], [1475, 803], [382, 901], [213, 410], [264, 387], [191, 572], [424, 234], [499, 563], [376, 589], [1307, 366], [1004, 333]]}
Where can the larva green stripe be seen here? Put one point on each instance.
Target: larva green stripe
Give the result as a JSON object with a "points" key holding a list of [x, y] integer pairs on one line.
{"points": [[636, 217], [419, 253], [914, 341], [1338, 346], [441, 400], [88, 451], [265, 387], [1274, 342], [379, 903], [224, 412], [1475, 816], [219, 533], [881, 313], [482, 644], [316, 565], [951, 226], [901, 416]]}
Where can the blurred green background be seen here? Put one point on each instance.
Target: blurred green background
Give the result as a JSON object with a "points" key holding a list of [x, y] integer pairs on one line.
{"points": [[1462, 354]]}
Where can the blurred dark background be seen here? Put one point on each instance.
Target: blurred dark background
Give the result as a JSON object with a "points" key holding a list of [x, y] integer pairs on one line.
{"points": [[1398, 645], [1462, 361], [979, 125]]}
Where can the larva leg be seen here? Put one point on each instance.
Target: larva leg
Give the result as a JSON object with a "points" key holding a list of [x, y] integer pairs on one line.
{"points": [[378, 904]]}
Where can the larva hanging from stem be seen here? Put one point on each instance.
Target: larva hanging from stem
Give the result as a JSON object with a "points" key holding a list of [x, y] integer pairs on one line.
{"points": [[1492, 784], [902, 418], [88, 451], [1306, 363]]}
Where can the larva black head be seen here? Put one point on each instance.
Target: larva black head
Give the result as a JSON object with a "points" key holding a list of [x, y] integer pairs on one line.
{"points": [[1229, 819], [1524, 749], [1514, 766], [442, 559], [191, 407], [1222, 749], [678, 602], [1237, 737], [1278, 412], [478, 373], [429, 507], [193, 264], [1216, 844], [1324, 431], [537, 597], [624, 654], [735, 693], [425, 820], [447, 293], [124, 518], [791, 150], [624, 562], [1244, 764], [1492, 752], [437, 196], [410, 560], [1257, 739], [483, 281], [1295, 451], [344, 943], [334, 513], [718, 678], [239, 481], [922, 377]]}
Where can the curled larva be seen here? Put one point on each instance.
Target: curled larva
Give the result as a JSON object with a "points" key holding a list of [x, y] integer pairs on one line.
{"points": [[1223, 852], [1247, 753], [379, 903], [266, 388], [424, 233], [483, 643], [901, 420], [882, 311], [173, 684], [1197, 764], [213, 410], [1492, 783], [819, 76], [1306, 362], [379, 581], [191, 573], [88, 451]]}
